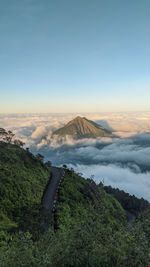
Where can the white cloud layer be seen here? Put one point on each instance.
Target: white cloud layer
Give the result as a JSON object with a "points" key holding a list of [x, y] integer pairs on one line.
{"points": [[137, 184], [122, 162]]}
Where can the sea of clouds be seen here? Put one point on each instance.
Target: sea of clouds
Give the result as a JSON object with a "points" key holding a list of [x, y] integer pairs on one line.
{"points": [[122, 162]]}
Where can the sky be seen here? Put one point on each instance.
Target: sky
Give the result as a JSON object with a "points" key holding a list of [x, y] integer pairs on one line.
{"points": [[74, 55]]}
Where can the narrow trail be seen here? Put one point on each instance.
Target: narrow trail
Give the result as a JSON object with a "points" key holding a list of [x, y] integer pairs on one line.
{"points": [[50, 195]]}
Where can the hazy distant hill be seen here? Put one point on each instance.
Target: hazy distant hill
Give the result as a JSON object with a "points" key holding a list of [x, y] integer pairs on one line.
{"points": [[80, 127]]}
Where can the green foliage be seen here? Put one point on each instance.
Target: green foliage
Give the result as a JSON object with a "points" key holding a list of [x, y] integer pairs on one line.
{"points": [[128, 202], [22, 181], [91, 227]]}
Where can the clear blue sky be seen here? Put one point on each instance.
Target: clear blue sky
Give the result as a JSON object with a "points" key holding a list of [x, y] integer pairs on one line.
{"points": [[74, 55]]}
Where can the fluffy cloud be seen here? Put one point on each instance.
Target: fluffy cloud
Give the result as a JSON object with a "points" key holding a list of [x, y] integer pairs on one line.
{"points": [[39, 132], [122, 162], [135, 183]]}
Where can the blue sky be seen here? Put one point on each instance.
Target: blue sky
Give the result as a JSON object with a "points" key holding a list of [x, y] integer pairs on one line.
{"points": [[74, 55]]}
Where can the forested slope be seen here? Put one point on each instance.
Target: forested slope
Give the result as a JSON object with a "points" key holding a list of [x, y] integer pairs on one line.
{"points": [[22, 181], [91, 227]]}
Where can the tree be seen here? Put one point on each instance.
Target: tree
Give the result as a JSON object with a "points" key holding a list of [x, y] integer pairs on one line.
{"points": [[40, 157], [48, 164], [65, 166], [9, 137], [3, 134], [18, 142]]}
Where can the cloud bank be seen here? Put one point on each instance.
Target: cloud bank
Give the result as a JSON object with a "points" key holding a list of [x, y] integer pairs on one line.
{"points": [[120, 162], [137, 184]]}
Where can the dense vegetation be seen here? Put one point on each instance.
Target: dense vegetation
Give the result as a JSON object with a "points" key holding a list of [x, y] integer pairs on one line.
{"points": [[23, 178], [130, 203], [91, 227]]}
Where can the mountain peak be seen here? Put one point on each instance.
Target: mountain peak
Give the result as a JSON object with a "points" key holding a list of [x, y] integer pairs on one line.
{"points": [[78, 118], [81, 127]]}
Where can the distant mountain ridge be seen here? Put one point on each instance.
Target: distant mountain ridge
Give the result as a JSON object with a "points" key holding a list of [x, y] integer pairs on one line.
{"points": [[81, 127]]}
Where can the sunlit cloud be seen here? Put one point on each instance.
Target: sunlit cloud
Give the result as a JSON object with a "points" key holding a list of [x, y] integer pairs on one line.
{"points": [[121, 162]]}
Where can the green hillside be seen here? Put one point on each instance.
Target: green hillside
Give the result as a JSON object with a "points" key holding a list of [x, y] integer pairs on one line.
{"points": [[22, 181], [90, 226], [96, 229]]}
